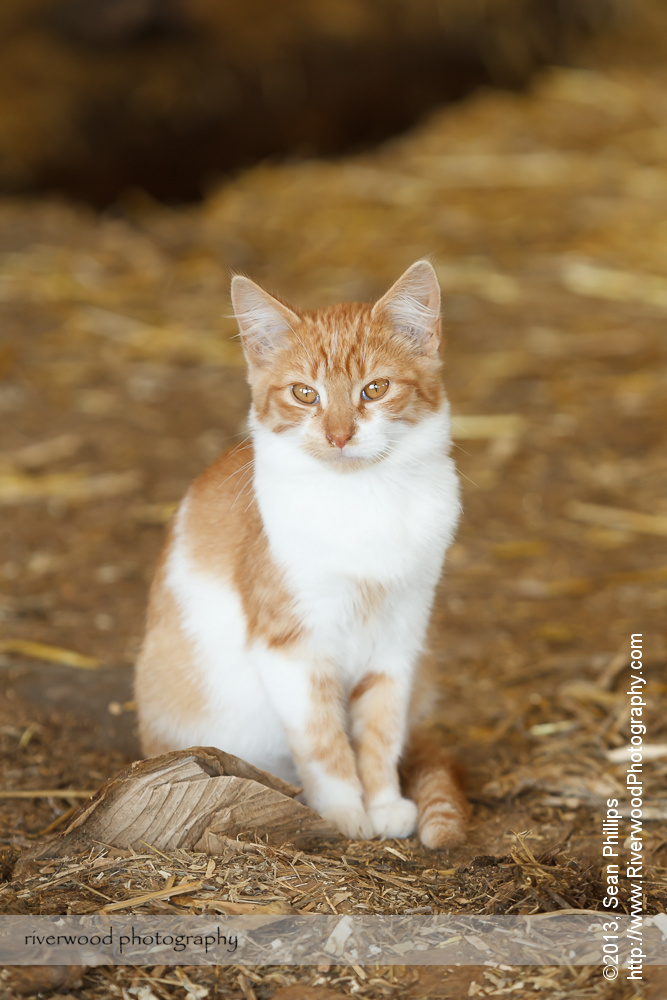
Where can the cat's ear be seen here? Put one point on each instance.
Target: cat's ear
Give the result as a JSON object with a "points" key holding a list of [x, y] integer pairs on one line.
{"points": [[263, 320], [412, 307]]}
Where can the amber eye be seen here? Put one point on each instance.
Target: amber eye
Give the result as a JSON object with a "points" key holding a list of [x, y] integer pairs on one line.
{"points": [[375, 389], [305, 393]]}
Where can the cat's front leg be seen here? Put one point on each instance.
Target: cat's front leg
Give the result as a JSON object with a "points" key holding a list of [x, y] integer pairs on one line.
{"points": [[310, 704], [378, 723]]}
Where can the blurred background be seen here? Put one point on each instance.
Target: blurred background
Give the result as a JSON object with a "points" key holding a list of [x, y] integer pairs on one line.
{"points": [[98, 96], [148, 148]]}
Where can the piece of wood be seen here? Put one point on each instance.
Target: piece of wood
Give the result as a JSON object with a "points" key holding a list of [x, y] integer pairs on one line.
{"points": [[51, 654], [17, 488], [149, 897], [196, 799]]}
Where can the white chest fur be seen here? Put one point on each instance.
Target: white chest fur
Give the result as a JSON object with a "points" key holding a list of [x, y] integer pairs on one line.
{"points": [[387, 525]]}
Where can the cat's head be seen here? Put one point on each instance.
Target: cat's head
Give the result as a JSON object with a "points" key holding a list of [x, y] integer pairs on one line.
{"points": [[346, 382]]}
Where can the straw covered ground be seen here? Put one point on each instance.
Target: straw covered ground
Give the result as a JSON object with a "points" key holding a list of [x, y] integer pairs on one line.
{"points": [[544, 214]]}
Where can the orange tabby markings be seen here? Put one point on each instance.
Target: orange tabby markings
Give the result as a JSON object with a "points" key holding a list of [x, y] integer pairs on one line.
{"points": [[376, 726], [224, 495], [369, 601], [327, 742], [416, 387], [364, 685], [288, 615], [433, 781]]}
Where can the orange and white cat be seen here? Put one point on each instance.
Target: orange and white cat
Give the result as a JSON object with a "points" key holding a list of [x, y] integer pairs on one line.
{"points": [[288, 614]]}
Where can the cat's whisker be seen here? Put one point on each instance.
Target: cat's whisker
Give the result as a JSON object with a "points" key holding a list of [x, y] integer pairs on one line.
{"points": [[244, 435], [460, 447], [408, 461], [241, 494], [244, 487], [236, 472], [230, 437], [471, 481]]}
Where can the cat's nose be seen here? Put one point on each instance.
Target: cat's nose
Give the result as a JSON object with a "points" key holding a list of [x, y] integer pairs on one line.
{"points": [[339, 440]]}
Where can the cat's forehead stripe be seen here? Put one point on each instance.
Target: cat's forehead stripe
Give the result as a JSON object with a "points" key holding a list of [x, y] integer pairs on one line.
{"points": [[340, 338]]}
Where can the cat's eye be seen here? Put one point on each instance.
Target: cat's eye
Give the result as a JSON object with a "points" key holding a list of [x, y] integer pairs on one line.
{"points": [[375, 389], [305, 393]]}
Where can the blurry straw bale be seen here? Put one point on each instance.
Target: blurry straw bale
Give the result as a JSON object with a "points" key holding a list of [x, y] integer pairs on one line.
{"points": [[623, 520], [99, 95]]}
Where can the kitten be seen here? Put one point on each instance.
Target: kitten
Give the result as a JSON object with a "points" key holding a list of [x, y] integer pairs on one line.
{"points": [[289, 610]]}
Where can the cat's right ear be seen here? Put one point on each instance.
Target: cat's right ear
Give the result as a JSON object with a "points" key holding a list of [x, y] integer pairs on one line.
{"points": [[263, 320]]}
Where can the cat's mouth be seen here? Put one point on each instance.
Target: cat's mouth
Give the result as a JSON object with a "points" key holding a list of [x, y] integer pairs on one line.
{"points": [[348, 459]]}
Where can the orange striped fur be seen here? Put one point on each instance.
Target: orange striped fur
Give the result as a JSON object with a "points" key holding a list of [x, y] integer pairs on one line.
{"points": [[288, 614], [434, 781]]}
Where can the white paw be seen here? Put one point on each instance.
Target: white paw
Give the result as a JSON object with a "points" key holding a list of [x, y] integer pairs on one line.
{"points": [[394, 819], [352, 822]]}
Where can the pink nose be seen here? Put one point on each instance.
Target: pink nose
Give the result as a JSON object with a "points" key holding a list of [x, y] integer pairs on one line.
{"points": [[339, 440]]}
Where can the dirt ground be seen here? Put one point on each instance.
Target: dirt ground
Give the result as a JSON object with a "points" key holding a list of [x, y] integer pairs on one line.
{"points": [[545, 216]]}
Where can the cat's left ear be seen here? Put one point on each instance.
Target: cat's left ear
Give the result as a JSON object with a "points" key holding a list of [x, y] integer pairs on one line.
{"points": [[412, 307], [264, 321]]}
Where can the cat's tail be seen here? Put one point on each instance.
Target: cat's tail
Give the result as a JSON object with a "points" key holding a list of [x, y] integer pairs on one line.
{"points": [[433, 781]]}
